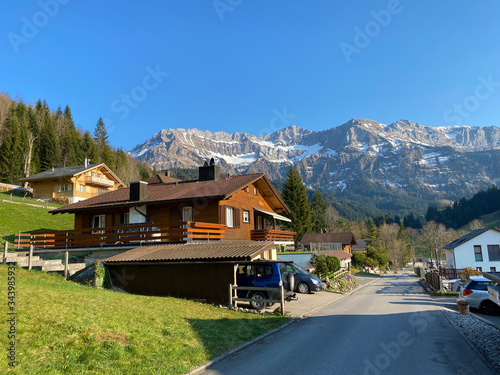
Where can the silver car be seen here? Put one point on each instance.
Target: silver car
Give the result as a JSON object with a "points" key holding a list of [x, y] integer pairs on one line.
{"points": [[475, 290]]}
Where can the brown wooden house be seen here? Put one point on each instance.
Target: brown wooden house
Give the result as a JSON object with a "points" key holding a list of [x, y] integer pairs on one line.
{"points": [[73, 184], [163, 209]]}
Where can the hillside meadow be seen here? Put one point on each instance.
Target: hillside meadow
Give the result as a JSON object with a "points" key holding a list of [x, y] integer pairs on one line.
{"points": [[67, 328], [22, 217]]}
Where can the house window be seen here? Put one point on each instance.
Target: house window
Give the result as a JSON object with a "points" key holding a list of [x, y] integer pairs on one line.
{"points": [[259, 222], [480, 269], [98, 221], [82, 188], [247, 189], [478, 254], [125, 218], [494, 252], [246, 216], [187, 213], [63, 188], [493, 269], [230, 217], [255, 190]]}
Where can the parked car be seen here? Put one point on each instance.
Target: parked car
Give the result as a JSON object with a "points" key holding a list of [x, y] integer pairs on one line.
{"points": [[304, 281], [475, 290], [264, 274]]}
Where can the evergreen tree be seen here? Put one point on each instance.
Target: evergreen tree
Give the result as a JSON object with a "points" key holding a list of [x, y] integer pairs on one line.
{"points": [[10, 151], [318, 209], [48, 145], [295, 196], [89, 150], [104, 151]]}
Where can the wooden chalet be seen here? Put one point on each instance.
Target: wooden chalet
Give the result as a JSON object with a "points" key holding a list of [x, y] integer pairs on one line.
{"points": [[73, 184], [166, 210]]}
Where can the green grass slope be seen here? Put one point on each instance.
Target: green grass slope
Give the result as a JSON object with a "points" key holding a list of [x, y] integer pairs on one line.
{"points": [[66, 328], [19, 217]]}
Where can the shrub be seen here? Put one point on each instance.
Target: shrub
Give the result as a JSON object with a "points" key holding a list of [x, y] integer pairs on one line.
{"points": [[325, 264]]}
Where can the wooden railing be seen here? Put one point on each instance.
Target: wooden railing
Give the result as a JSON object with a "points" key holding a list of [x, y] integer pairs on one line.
{"points": [[122, 235], [271, 235]]}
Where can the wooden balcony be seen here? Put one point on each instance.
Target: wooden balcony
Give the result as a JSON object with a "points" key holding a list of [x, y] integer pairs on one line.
{"points": [[136, 234], [94, 180], [272, 235]]}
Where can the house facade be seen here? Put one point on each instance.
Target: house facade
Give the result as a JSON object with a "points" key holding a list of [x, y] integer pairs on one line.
{"points": [[74, 184], [479, 249], [321, 242], [232, 208]]}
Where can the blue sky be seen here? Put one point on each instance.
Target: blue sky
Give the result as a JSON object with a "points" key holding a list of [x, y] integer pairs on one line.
{"points": [[253, 66]]}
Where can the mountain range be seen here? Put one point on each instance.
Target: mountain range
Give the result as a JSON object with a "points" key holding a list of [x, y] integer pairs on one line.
{"points": [[400, 159]]}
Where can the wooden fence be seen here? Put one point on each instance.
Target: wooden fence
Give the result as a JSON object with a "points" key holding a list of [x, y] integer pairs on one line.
{"points": [[234, 299], [122, 234]]}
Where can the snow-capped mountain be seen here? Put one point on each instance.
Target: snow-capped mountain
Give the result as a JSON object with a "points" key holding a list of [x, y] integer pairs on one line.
{"points": [[428, 161]]}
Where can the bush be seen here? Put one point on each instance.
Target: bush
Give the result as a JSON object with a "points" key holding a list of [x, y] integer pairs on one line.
{"points": [[359, 260], [325, 264]]}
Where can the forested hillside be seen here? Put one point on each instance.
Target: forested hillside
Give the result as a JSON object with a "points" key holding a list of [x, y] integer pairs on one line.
{"points": [[34, 138]]}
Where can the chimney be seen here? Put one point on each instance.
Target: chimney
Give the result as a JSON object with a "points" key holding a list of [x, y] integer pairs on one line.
{"points": [[208, 172], [138, 190], [86, 162], [167, 173]]}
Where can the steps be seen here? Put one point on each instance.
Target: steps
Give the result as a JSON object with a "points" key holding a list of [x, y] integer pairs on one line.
{"points": [[49, 265]]}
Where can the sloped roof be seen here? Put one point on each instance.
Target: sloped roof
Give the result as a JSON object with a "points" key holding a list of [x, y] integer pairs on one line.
{"points": [[213, 251], [339, 254], [61, 172], [469, 236], [69, 172], [161, 179], [346, 238], [221, 188]]}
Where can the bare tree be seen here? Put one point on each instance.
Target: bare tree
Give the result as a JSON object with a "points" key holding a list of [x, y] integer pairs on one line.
{"points": [[475, 224], [436, 236]]}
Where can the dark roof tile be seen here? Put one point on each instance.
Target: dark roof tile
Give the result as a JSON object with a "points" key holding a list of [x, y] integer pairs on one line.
{"points": [[214, 251]]}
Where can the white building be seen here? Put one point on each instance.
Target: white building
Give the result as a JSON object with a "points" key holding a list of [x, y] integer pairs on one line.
{"points": [[480, 249]]}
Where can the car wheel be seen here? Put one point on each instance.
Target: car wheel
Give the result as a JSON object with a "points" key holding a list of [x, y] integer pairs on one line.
{"points": [[303, 288], [257, 302], [489, 308]]}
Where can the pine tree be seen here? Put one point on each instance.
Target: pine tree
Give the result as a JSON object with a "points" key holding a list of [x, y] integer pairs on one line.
{"points": [[104, 151], [48, 145], [89, 150], [295, 196], [318, 209], [10, 151]]}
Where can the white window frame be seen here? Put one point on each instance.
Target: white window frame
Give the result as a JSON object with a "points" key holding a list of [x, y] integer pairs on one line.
{"points": [[246, 216], [230, 217]]}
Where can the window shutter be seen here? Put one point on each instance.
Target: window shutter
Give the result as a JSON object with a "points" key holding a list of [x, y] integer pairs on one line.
{"points": [[222, 214], [237, 217]]}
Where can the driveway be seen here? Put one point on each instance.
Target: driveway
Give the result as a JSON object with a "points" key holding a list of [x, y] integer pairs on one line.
{"points": [[390, 326]]}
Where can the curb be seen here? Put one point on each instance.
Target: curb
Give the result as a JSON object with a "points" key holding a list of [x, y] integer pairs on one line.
{"points": [[204, 366]]}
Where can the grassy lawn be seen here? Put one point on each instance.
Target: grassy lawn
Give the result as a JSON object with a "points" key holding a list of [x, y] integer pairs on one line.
{"points": [[19, 197], [17, 217], [63, 327]]}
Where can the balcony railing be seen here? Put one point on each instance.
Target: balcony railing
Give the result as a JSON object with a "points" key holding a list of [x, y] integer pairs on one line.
{"points": [[136, 234], [99, 181], [272, 235]]}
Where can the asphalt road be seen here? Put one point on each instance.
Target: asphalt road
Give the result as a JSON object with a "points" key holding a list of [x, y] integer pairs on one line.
{"points": [[388, 327]]}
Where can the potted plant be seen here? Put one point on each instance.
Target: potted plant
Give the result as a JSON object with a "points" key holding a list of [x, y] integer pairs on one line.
{"points": [[463, 306]]}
